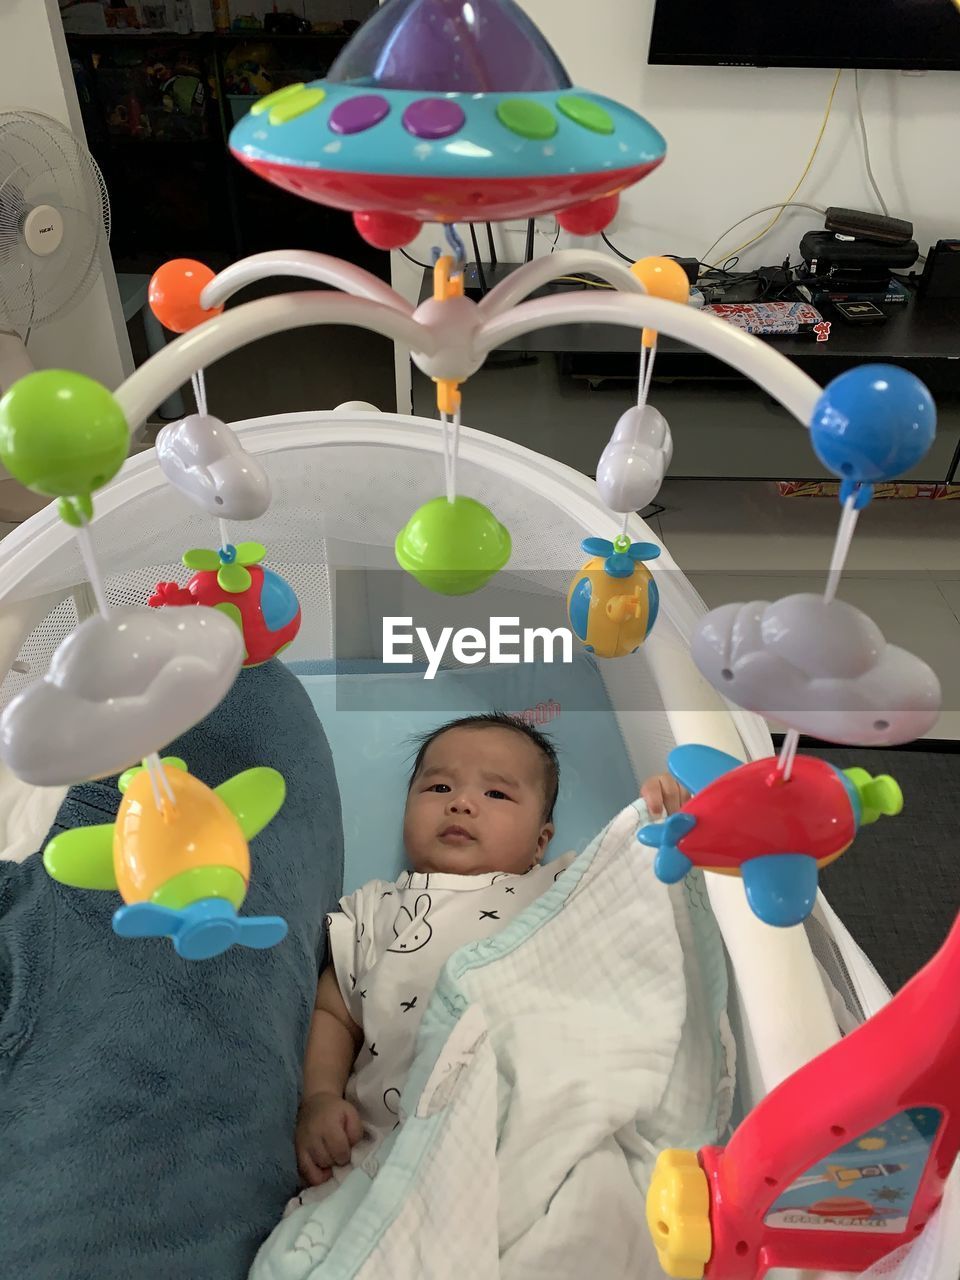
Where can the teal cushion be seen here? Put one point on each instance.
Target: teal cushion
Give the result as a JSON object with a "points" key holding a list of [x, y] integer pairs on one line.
{"points": [[147, 1103]]}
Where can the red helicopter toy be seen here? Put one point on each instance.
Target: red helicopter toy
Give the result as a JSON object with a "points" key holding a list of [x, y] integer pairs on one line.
{"points": [[262, 604]]}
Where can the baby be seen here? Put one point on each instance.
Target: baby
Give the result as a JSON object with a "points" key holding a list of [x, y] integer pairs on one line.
{"points": [[477, 823]]}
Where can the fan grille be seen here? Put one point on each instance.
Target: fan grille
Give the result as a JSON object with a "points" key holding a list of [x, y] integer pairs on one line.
{"points": [[41, 162]]}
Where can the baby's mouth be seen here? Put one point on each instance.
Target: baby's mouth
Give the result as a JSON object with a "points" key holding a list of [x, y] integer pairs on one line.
{"points": [[456, 835]]}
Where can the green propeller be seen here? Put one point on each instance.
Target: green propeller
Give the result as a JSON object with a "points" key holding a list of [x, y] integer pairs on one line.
{"points": [[230, 562]]}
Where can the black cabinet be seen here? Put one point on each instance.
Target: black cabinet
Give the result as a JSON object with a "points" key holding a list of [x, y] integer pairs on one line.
{"points": [[158, 110]]}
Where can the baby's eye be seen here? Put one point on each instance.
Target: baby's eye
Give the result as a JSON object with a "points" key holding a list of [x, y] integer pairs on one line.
{"points": [[498, 795], [438, 786]]}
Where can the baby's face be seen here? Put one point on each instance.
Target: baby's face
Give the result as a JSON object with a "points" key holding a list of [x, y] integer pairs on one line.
{"points": [[477, 804]]}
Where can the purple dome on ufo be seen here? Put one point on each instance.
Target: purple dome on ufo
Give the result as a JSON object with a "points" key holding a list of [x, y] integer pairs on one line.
{"points": [[451, 46]]}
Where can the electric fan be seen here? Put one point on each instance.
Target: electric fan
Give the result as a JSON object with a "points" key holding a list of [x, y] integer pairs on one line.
{"points": [[54, 223]]}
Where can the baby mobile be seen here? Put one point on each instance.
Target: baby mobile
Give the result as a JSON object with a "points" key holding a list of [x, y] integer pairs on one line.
{"points": [[441, 112], [610, 620], [816, 665], [119, 688], [202, 458]]}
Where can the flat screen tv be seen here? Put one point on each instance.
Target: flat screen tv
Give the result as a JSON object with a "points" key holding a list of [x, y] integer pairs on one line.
{"points": [[905, 35]]}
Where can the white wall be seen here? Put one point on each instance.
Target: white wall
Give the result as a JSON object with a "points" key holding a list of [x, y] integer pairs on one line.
{"points": [[35, 76], [738, 139]]}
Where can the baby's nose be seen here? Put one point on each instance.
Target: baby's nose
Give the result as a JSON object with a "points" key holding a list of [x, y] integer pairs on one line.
{"points": [[462, 803]]}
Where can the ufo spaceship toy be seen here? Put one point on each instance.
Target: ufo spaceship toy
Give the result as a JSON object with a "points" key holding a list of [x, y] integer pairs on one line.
{"points": [[442, 111]]}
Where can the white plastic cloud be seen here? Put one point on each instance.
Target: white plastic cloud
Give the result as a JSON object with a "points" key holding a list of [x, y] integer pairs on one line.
{"points": [[203, 458], [632, 466], [823, 669], [118, 689]]}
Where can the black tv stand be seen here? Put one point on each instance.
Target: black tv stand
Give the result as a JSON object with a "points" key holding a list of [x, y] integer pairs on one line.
{"points": [[566, 401]]}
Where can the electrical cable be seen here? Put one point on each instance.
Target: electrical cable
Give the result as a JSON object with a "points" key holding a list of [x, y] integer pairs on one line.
{"points": [[416, 261], [866, 147], [481, 277], [725, 269], [610, 245], [582, 280], [786, 204], [789, 200], [490, 245]]}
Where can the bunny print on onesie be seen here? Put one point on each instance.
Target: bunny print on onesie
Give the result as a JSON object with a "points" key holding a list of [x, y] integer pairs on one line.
{"points": [[388, 943]]}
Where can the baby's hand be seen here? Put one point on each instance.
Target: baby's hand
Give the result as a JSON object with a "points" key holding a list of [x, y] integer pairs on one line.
{"points": [[327, 1127], [663, 795]]}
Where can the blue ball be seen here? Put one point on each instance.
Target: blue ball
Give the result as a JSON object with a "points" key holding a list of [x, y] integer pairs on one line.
{"points": [[873, 423]]}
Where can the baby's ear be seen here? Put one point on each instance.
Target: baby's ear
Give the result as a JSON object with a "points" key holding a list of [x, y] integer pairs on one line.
{"points": [[546, 835]]}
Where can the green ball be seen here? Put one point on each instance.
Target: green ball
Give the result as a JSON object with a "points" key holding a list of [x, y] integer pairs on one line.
{"points": [[61, 433], [453, 548]]}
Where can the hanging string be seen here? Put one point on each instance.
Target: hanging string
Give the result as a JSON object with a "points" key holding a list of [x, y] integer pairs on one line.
{"points": [[641, 381], [649, 377], [85, 544], [445, 431], [841, 550], [199, 390], [454, 450], [154, 786], [158, 781], [788, 753], [166, 782], [454, 242], [647, 355]]}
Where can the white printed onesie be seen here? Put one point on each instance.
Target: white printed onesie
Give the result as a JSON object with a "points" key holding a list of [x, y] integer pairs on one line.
{"points": [[388, 944]]}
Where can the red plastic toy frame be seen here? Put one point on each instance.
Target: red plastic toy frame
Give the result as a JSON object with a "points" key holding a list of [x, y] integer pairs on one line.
{"points": [[907, 1055]]}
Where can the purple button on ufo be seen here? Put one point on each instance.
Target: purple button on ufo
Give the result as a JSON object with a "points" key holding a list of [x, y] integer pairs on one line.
{"points": [[357, 114], [433, 118]]}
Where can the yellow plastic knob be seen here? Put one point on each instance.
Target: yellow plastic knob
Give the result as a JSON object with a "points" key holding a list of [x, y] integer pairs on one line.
{"points": [[678, 1214]]}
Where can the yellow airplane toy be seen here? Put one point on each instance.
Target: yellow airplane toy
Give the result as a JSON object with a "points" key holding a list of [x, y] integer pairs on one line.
{"points": [[178, 854]]}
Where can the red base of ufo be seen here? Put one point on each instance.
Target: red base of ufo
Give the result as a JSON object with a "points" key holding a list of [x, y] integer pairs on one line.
{"points": [[433, 199]]}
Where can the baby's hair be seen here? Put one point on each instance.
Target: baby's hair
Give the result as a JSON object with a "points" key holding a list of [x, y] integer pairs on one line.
{"points": [[500, 720]]}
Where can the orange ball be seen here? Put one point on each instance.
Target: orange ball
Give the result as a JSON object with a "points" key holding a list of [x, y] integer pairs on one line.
{"points": [[174, 294], [663, 278]]}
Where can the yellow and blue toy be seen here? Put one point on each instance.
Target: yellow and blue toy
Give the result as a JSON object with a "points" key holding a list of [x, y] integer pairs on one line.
{"points": [[613, 601], [178, 854]]}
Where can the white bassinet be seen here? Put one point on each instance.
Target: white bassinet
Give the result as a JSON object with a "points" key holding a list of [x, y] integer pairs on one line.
{"points": [[344, 483]]}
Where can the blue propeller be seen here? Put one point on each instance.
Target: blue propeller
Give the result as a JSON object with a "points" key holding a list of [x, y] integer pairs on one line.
{"points": [[670, 865], [202, 930], [621, 556]]}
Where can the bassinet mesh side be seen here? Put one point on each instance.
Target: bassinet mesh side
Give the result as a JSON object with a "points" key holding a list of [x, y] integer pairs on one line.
{"points": [[334, 506], [831, 960], [34, 655], [340, 506]]}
